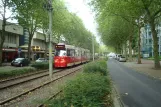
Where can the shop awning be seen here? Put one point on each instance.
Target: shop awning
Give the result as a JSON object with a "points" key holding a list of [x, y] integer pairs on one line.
{"points": [[24, 46]]}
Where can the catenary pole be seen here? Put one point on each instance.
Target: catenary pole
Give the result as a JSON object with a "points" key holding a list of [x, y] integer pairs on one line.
{"points": [[50, 10], [93, 46]]}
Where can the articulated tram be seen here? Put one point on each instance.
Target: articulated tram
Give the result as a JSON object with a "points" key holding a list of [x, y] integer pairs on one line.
{"points": [[68, 55]]}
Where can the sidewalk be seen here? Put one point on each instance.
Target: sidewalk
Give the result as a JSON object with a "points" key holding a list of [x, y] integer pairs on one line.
{"points": [[147, 67], [6, 64]]}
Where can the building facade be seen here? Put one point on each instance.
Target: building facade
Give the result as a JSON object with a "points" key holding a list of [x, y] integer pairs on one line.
{"points": [[11, 43], [147, 41], [16, 43], [38, 43]]}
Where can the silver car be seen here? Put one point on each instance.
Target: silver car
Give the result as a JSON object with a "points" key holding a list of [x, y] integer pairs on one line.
{"points": [[118, 56], [122, 59], [41, 60]]}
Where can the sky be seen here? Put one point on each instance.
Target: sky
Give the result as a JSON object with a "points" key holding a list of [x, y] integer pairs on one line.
{"points": [[85, 13], [82, 10]]}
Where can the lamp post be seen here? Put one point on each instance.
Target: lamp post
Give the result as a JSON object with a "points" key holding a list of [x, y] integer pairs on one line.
{"points": [[49, 8], [93, 46], [50, 39]]}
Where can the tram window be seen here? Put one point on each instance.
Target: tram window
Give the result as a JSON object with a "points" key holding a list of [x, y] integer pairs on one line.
{"points": [[60, 53], [68, 52], [72, 52]]}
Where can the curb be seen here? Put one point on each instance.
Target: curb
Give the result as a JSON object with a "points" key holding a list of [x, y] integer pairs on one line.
{"points": [[116, 98]]}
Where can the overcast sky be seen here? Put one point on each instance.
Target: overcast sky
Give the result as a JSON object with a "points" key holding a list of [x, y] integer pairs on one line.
{"points": [[84, 12]]}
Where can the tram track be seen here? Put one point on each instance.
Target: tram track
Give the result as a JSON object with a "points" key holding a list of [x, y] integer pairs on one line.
{"points": [[23, 79], [37, 87], [22, 76]]}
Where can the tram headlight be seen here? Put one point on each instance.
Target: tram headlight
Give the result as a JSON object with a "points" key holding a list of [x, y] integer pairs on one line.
{"points": [[56, 60], [62, 60]]}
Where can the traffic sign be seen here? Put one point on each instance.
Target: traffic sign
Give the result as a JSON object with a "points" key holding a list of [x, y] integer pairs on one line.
{"points": [[19, 50]]}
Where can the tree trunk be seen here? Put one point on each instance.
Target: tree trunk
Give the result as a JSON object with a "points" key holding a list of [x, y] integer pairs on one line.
{"points": [[29, 46], [130, 47], [46, 46], [130, 41], [139, 39], [155, 45], [125, 50], [1, 47], [2, 39]]}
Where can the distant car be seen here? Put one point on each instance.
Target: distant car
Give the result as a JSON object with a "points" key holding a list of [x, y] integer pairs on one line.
{"points": [[20, 62], [41, 60], [110, 57], [118, 57], [122, 59]]}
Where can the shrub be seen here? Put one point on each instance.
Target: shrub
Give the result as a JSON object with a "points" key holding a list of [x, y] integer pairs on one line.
{"points": [[15, 72], [86, 90], [98, 66], [40, 65]]}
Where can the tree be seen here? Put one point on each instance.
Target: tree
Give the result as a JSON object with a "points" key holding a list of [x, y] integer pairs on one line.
{"points": [[44, 21], [4, 6], [153, 11], [28, 16]]}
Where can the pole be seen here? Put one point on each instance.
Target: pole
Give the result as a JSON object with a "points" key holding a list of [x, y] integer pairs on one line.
{"points": [[93, 46], [50, 40]]}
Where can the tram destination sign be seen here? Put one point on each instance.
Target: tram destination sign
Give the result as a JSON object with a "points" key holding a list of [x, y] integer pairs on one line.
{"points": [[60, 47]]}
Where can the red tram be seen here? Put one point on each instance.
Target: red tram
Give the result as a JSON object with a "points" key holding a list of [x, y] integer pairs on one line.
{"points": [[68, 55]]}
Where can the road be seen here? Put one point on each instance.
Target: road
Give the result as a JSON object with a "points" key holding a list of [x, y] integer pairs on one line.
{"points": [[135, 89]]}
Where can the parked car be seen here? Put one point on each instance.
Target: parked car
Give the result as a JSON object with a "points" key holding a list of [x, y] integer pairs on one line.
{"points": [[110, 57], [20, 62], [122, 59], [118, 56], [41, 60]]}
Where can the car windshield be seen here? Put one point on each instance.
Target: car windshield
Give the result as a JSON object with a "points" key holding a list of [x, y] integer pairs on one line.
{"points": [[119, 55], [60, 53], [19, 59]]}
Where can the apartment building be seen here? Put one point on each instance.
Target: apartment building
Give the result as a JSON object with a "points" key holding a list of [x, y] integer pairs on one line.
{"points": [[147, 41], [37, 45], [11, 43], [16, 43]]}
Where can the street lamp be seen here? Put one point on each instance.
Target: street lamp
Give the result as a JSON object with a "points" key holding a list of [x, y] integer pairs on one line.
{"points": [[92, 47], [49, 8]]}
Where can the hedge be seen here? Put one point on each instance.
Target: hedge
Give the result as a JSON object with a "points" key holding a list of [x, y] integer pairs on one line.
{"points": [[43, 65], [98, 66], [92, 88], [86, 90], [7, 73]]}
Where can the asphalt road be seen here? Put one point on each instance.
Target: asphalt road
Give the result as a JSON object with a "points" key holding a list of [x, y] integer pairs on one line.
{"points": [[135, 89]]}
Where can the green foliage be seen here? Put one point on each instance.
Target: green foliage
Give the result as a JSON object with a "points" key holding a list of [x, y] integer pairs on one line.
{"points": [[135, 12], [40, 65], [152, 58], [86, 90], [94, 67], [7, 73]]}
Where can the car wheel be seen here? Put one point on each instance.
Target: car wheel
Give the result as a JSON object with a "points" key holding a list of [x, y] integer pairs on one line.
{"points": [[21, 65]]}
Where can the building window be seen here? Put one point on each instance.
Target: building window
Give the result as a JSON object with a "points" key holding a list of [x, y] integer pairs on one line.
{"points": [[149, 34], [150, 41]]}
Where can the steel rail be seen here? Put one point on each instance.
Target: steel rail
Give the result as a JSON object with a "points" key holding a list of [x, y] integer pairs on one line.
{"points": [[33, 89], [18, 77], [27, 80]]}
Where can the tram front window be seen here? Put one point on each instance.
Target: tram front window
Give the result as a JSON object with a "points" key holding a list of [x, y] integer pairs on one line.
{"points": [[60, 53]]}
